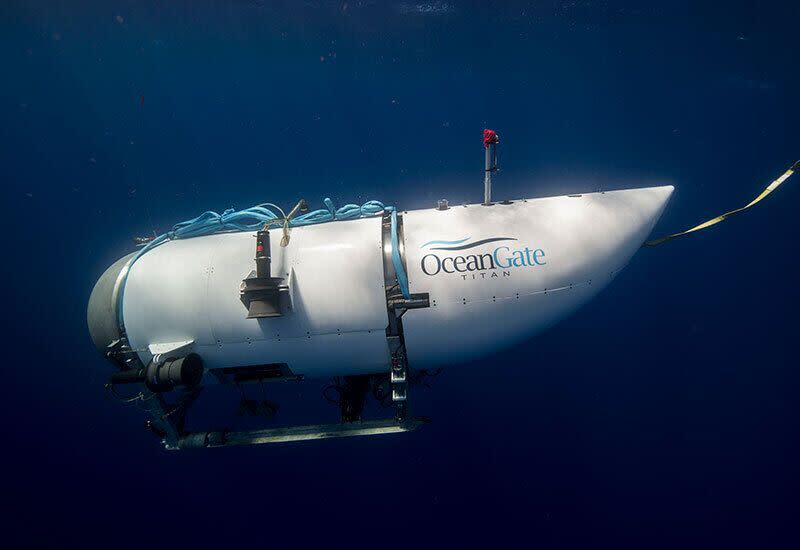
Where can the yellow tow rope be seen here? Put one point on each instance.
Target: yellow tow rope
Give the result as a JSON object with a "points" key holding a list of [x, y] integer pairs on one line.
{"points": [[770, 188]]}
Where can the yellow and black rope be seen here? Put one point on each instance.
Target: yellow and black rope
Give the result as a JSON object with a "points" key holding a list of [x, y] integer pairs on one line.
{"points": [[769, 189]]}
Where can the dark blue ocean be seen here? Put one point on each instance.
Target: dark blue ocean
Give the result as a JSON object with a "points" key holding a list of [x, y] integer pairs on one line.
{"points": [[664, 414]]}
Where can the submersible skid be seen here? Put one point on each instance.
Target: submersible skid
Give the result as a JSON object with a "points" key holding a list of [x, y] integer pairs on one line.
{"points": [[366, 297]]}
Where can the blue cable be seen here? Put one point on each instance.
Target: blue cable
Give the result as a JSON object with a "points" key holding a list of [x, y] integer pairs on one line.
{"points": [[399, 272], [254, 218]]}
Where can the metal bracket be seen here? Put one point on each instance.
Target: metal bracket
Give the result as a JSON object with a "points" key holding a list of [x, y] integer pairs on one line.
{"points": [[157, 350], [163, 422], [396, 306], [416, 301]]}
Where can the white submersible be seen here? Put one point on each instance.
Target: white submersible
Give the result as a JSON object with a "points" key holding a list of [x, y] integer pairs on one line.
{"points": [[371, 299]]}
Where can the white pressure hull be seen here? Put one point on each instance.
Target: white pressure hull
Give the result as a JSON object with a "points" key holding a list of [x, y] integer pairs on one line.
{"points": [[541, 259]]}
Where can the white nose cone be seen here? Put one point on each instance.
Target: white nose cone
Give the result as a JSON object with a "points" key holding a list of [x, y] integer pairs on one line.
{"points": [[499, 274]]}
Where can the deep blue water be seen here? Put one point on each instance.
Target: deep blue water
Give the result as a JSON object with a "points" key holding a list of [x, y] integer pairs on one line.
{"points": [[663, 414]]}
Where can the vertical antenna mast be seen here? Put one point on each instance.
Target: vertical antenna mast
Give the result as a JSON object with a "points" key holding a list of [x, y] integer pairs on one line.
{"points": [[490, 141]]}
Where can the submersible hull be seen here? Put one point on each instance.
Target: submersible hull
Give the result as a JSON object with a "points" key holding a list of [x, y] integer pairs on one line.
{"points": [[491, 276]]}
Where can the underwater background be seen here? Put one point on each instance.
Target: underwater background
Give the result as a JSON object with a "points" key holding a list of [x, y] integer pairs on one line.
{"points": [[665, 413]]}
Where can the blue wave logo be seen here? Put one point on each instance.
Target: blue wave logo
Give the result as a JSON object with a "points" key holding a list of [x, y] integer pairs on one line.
{"points": [[462, 244]]}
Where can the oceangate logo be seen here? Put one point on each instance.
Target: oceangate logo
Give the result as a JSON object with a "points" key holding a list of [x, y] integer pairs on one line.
{"points": [[500, 261]]}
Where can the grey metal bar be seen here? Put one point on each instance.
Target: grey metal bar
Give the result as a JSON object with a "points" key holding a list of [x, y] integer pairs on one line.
{"points": [[202, 440], [487, 177]]}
